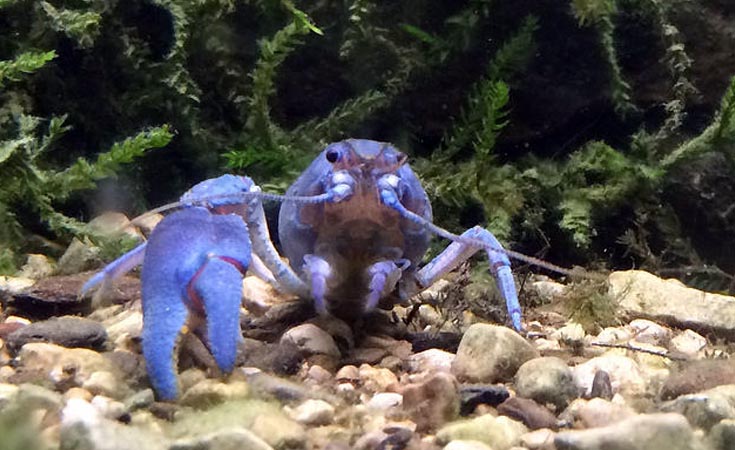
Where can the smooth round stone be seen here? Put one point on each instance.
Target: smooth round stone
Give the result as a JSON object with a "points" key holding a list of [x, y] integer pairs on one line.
{"points": [[546, 380], [490, 353], [313, 412]]}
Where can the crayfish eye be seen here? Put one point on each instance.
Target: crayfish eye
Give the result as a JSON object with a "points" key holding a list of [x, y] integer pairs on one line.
{"points": [[333, 156]]}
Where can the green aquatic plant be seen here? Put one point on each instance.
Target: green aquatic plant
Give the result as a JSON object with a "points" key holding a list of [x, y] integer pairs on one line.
{"points": [[24, 63]]}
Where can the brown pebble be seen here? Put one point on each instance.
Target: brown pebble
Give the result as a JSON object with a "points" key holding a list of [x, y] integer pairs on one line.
{"points": [[601, 386], [432, 402], [698, 376], [533, 415]]}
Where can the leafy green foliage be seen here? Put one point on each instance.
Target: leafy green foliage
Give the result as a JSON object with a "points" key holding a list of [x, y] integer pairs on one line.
{"points": [[84, 26], [28, 186], [24, 63]]}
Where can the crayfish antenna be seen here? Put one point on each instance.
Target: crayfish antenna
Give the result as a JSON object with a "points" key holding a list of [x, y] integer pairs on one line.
{"points": [[392, 201]]}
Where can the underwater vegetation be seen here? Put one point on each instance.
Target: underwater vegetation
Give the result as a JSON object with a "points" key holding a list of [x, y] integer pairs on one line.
{"points": [[570, 130]]}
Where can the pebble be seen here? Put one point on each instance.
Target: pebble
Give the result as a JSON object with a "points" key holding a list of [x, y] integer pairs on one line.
{"points": [[649, 332], [541, 439], [642, 294], [706, 408], [546, 380], [385, 401], [375, 379], [722, 435], [500, 433], [614, 335], [598, 412], [695, 376], [570, 333], [103, 382], [601, 385], [525, 410], [64, 331], [48, 359], [225, 439], [490, 353], [645, 431], [625, 374], [313, 413], [312, 340], [431, 360], [689, 343], [279, 431], [467, 445], [36, 267], [432, 402], [481, 394], [208, 392]]}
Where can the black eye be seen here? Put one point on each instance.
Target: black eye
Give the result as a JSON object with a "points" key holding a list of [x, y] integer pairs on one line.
{"points": [[332, 156]]}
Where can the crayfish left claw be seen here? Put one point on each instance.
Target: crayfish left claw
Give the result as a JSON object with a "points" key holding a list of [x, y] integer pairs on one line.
{"points": [[193, 266]]}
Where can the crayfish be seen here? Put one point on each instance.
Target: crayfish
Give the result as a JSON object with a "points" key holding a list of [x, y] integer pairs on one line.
{"points": [[354, 227]]}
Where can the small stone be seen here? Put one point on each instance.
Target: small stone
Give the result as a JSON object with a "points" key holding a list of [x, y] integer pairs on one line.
{"points": [[210, 392], [473, 395], [32, 397], [614, 335], [625, 374], [103, 383], [140, 400], [225, 439], [695, 376], [51, 297], [385, 401], [500, 433], [78, 393], [431, 360], [490, 353], [318, 375], [348, 373], [598, 412], [689, 343], [369, 355], [41, 358], [525, 410], [706, 408], [279, 431], [7, 394], [78, 257], [649, 332], [64, 331], [431, 402], [569, 333], [84, 427], [645, 431], [546, 380], [467, 445], [108, 407], [375, 379], [541, 439], [722, 435], [36, 267], [642, 294], [15, 285], [312, 340], [313, 413], [601, 386]]}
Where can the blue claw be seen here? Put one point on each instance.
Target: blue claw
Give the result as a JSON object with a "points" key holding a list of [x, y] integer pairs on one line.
{"points": [[193, 265]]}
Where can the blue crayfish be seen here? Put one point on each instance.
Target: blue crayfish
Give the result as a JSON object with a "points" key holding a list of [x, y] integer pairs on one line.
{"points": [[354, 226]]}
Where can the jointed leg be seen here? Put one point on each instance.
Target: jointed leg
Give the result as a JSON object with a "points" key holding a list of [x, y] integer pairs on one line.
{"points": [[457, 252]]}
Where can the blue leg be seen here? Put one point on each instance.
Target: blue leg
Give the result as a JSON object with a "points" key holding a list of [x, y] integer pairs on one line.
{"points": [[458, 252], [318, 271], [383, 278], [117, 268]]}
